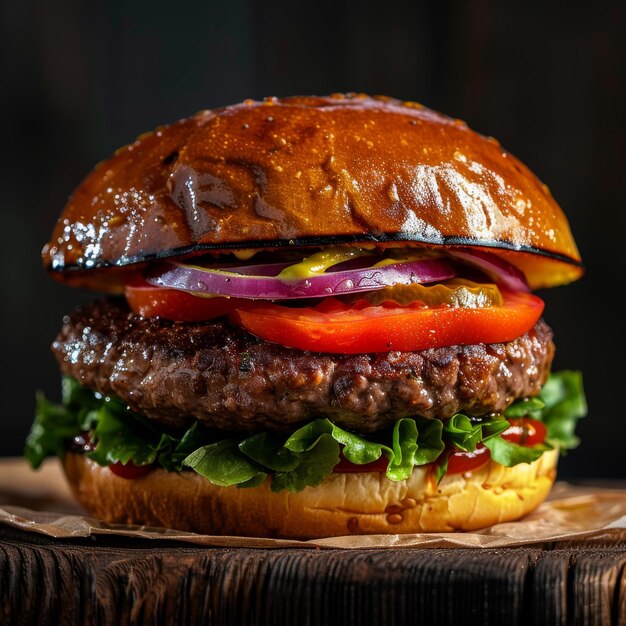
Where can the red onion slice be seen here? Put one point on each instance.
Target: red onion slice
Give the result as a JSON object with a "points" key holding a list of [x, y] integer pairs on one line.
{"points": [[239, 284], [504, 274]]}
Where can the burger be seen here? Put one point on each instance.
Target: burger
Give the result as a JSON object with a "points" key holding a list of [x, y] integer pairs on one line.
{"points": [[316, 318]]}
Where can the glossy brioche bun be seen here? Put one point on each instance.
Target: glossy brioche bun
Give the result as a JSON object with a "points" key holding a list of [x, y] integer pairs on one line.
{"points": [[309, 171], [343, 504]]}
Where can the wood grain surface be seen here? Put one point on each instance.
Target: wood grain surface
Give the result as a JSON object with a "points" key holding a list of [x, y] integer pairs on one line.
{"points": [[117, 582]]}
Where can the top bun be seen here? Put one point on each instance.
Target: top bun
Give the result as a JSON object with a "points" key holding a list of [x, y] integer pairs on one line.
{"points": [[309, 171]]}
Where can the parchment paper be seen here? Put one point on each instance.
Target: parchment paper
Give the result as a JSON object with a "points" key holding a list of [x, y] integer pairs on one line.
{"points": [[41, 502]]}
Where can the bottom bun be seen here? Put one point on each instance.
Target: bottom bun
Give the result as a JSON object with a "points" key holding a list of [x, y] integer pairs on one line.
{"points": [[342, 504]]}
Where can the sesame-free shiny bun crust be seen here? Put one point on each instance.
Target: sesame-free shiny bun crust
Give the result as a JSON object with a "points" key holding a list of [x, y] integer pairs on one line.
{"points": [[343, 504], [309, 171]]}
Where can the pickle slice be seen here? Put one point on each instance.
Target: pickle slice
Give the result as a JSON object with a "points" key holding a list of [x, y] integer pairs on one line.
{"points": [[456, 292]]}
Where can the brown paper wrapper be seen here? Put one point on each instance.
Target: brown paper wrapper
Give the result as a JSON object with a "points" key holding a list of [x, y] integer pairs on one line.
{"points": [[41, 502]]}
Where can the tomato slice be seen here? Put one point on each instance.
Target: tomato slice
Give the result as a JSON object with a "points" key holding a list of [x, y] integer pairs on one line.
{"points": [[460, 462], [130, 470], [172, 304], [364, 328], [347, 467], [525, 431]]}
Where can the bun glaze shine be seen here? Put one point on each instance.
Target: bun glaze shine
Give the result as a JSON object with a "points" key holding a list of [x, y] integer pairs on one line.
{"points": [[309, 171]]}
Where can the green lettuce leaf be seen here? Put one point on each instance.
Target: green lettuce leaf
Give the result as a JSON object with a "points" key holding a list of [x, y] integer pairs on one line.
{"points": [[509, 453], [527, 407], [56, 425], [462, 432], [466, 433], [121, 440], [172, 459], [565, 404], [52, 431], [356, 448], [269, 451], [402, 459], [223, 464], [316, 462], [430, 442]]}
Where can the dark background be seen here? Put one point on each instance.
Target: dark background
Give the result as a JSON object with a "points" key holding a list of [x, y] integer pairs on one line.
{"points": [[80, 79]]}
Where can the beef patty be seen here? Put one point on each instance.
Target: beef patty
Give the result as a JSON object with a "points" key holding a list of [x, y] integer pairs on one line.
{"points": [[228, 379]]}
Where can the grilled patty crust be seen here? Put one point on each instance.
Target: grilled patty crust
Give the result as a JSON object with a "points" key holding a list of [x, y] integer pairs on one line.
{"points": [[228, 379]]}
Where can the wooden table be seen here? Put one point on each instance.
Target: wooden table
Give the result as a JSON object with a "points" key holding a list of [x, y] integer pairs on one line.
{"points": [[115, 581]]}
